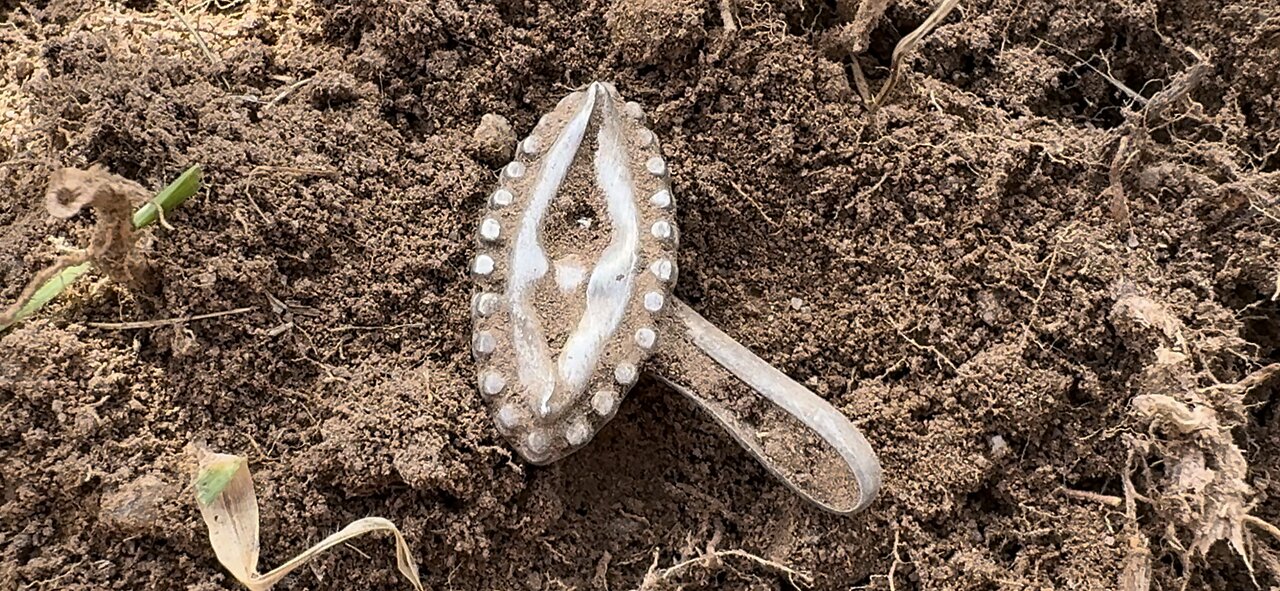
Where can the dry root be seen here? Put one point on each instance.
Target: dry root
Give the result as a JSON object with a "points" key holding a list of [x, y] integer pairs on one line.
{"points": [[1201, 494], [712, 558], [858, 32], [727, 12], [1135, 134], [111, 247], [908, 44], [111, 198], [855, 37]]}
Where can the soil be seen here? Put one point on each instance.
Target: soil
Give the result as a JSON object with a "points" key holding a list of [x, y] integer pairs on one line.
{"points": [[1041, 276]]}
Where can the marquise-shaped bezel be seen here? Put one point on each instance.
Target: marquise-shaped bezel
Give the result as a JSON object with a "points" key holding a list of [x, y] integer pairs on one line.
{"points": [[595, 151]]}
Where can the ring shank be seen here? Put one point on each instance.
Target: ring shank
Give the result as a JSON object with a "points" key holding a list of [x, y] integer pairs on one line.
{"points": [[802, 439]]}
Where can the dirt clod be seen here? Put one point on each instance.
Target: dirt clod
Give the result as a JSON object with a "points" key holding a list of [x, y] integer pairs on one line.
{"points": [[652, 32], [137, 506], [494, 139]]}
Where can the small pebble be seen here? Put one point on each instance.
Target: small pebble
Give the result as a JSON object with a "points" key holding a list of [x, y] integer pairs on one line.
{"points": [[999, 448]]}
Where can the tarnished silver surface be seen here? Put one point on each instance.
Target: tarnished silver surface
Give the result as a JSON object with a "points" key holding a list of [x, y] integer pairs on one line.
{"points": [[575, 263]]}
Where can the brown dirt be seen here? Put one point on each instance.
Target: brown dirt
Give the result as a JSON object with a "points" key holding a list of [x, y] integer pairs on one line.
{"points": [[947, 270]]}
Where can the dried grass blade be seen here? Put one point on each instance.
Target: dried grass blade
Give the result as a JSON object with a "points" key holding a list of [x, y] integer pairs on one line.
{"points": [[908, 44], [404, 557], [229, 506]]}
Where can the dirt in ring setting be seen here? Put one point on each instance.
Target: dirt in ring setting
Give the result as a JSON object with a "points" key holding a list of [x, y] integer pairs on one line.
{"points": [[1041, 277]]}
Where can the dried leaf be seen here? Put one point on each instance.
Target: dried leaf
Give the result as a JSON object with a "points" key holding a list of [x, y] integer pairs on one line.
{"points": [[224, 492], [1149, 314], [215, 477], [1165, 411]]}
